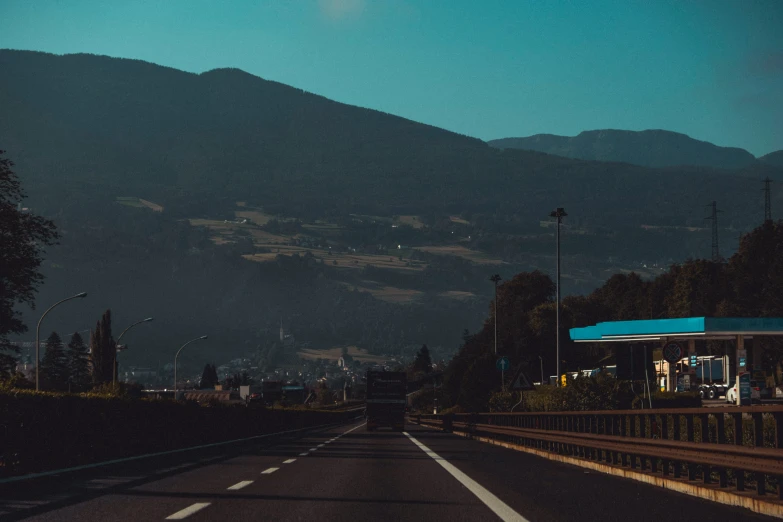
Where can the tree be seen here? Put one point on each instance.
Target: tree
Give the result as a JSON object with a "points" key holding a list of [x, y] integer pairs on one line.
{"points": [[102, 348], [54, 366], [423, 361], [78, 358], [22, 238], [209, 377]]}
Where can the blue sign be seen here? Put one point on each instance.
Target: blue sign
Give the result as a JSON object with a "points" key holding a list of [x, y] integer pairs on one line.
{"points": [[742, 362], [503, 364], [744, 389], [692, 361]]}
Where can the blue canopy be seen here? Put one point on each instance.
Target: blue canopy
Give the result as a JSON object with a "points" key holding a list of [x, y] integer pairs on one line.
{"points": [[682, 328]]}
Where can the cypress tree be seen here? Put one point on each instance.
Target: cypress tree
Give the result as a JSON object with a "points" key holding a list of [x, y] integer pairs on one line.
{"points": [[54, 366], [102, 348], [79, 377]]}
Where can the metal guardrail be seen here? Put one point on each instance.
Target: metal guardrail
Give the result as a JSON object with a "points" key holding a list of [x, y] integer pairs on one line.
{"points": [[715, 445]]}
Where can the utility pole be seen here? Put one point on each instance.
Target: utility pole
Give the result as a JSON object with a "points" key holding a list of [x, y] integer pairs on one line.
{"points": [[714, 218], [558, 213], [767, 200], [496, 279]]}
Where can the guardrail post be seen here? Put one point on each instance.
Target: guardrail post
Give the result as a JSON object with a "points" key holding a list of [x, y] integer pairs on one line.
{"points": [[632, 456], [689, 429], [758, 431], [653, 435], [738, 439], [705, 438], [720, 420], [665, 436], [643, 435], [779, 445], [623, 426], [676, 426]]}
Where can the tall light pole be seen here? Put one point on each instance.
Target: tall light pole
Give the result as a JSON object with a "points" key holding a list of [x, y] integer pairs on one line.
{"points": [[175, 361], [542, 369], [496, 279], [558, 213], [38, 335], [117, 347]]}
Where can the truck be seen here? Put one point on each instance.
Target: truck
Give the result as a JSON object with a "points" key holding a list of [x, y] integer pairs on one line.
{"points": [[386, 399]]}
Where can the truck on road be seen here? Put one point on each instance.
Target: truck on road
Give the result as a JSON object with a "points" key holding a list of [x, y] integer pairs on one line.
{"points": [[386, 399]]}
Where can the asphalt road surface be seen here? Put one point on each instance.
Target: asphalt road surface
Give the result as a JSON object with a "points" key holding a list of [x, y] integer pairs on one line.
{"points": [[347, 473]]}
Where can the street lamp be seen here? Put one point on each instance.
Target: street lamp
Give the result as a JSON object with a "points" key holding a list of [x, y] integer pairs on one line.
{"points": [[496, 279], [38, 334], [175, 361], [542, 369], [117, 347], [558, 213]]}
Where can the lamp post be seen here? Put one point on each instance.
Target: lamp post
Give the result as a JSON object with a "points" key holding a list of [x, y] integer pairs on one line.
{"points": [[175, 361], [117, 347], [558, 213], [496, 279], [38, 335], [542, 369]]}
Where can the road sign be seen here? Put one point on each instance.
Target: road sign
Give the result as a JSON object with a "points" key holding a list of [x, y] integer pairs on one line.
{"points": [[742, 360], [503, 364], [521, 382], [744, 389], [692, 361], [672, 352]]}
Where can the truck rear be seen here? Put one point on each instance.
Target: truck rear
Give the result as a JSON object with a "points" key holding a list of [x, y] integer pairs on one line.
{"points": [[386, 399]]}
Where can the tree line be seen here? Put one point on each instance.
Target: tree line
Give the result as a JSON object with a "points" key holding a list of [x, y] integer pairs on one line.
{"points": [[76, 367], [749, 284]]}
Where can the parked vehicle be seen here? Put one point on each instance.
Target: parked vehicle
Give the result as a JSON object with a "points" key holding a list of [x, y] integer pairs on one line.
{"points": [[755, 393]]}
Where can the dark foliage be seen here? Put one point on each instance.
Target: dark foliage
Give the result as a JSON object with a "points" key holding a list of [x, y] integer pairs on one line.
{"points": [[103, 351], [54, 365], [22, 237], [78, 356]]}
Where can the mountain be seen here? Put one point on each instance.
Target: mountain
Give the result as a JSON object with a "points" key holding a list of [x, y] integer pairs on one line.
{"points": [[773, 158], [196, 142], [649, 148], [85, 130]]}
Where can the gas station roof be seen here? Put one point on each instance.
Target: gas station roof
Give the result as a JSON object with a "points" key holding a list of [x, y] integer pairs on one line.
{"points": [[705, 328]]}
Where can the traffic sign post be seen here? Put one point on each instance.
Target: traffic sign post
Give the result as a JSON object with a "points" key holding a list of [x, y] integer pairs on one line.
{"points": [[503, 364], [672, 353]]}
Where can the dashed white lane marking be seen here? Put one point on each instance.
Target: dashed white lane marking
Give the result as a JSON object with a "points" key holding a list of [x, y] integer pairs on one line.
{"points": [[320, 446], [500, 508], [303, 454], [289, 461], [268, 471], [312, 449], [240, 485], [179, 515]]}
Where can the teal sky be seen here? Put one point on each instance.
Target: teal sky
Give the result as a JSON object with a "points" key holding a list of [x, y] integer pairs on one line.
{"points": [[712, 69]]}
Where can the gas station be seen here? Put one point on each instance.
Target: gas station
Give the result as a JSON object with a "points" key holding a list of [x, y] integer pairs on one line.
{"points": [[677, 338]]}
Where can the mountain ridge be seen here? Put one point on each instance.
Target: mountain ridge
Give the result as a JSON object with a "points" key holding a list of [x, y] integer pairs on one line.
{"points": [[654, 148]]}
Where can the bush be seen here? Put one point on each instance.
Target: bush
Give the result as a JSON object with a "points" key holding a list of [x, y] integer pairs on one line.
{"points": [[54, 430], [661, 399]]}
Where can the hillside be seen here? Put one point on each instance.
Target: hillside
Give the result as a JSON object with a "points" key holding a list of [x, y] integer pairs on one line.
{"points": [[378, 230], [650, 148], [773, 158], [196, 143]]}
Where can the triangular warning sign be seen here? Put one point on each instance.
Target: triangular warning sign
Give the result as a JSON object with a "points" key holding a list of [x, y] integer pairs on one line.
{"points": [[521, 381]]}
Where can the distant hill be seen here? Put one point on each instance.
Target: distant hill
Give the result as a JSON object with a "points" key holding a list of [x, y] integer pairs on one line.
{"points": [[773, 158], [650, 148], [195, 142]]}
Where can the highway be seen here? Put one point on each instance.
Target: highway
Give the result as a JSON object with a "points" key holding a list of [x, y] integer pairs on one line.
{"points": [[347, 473]]}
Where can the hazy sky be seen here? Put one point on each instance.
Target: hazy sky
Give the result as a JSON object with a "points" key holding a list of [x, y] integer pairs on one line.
{"points": [[712, 69]]}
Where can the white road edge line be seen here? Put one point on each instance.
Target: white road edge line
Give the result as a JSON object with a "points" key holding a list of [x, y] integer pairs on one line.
{"points": [[179, 515], [240, 485], [290, 461], [500, 508], [268, 471]]}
